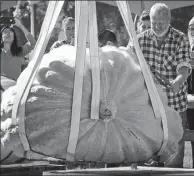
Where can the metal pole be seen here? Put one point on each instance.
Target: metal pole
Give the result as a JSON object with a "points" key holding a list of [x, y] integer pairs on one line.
{"points": [[31, 18]]}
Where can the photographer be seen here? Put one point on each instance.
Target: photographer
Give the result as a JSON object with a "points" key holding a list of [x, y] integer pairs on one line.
{"points": [[12, 55]]}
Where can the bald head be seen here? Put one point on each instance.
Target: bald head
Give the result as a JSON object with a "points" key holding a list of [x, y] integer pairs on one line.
{"points": [[162, 10]]}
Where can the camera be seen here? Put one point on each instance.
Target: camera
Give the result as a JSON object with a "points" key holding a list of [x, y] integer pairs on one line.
{"points": [[6, 20]]}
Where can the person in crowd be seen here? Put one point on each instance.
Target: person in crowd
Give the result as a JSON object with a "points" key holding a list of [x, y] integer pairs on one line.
{"points": [[12, 55], [142, 25], [107, 37], [191, 34], [144, 22], [166, 51], [67, 34], [190, 111]]}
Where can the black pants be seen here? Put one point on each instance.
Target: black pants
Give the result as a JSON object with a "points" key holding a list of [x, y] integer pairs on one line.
{"points": [[190, 118], [190, 112], [177, 160]]}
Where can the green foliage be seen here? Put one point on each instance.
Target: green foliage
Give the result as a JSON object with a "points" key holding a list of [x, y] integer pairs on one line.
{"points": [[181, 17], [107, 17]]}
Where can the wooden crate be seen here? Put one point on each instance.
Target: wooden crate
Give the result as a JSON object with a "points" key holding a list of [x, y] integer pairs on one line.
{"points": [[46, 168]]}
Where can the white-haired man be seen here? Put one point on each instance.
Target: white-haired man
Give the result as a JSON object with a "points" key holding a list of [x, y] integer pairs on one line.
{"points": [[166, 51]]}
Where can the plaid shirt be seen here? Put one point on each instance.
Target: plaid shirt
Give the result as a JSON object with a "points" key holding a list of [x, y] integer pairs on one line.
{"points": [[166, 60]]}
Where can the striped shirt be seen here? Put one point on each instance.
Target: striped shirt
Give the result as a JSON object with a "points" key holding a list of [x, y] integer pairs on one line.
{"points": [[166, 60]]}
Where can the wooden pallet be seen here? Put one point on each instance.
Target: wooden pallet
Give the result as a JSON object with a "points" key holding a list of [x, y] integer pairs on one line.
{"points": [[31, 168], [121, 171], [190, 98], [46, 168]]}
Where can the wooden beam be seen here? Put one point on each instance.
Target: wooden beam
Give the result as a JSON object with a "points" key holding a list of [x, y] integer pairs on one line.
{"points": [[141, 170], [190, 98]]}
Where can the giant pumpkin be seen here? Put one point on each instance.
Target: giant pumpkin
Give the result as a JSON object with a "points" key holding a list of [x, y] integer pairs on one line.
{"points": [[127, 130]]}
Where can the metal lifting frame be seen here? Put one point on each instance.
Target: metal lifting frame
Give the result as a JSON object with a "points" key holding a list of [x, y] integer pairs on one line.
{"points": [[86, 23]]}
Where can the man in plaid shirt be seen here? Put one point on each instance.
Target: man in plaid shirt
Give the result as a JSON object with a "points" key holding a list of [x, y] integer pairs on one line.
{"points": [[166, 51]]}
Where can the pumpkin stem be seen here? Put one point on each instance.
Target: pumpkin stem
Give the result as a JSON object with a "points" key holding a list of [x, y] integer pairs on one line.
{"points": [[108, 109]]}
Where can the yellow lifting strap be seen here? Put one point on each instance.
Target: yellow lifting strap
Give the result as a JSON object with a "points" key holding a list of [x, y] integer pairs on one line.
{"points": [[153, 93], [86, 23], [18, 111], [94, 59], [79, 74]]}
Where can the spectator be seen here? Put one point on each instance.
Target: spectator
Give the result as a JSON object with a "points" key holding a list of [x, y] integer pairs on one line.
{"points": [[107, 37], [144, 22], [67, 35], [191, 34], [12, 56], [166, 51], [190, 112]]}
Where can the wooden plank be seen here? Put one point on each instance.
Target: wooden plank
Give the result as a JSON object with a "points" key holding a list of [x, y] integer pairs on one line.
{"points": [[189, 135], [141, 170], [190, 98], [23, 165]]}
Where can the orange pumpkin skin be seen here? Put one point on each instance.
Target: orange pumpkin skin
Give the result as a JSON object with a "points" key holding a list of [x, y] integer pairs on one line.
{"points": [[127, 130]]}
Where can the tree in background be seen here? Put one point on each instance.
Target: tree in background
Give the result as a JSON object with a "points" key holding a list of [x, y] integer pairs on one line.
{"points": [[181, 17], [107, 17]]}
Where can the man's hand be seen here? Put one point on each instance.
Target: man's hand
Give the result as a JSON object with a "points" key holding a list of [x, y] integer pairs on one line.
{"points": [[182, 76], [175, 85]]}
